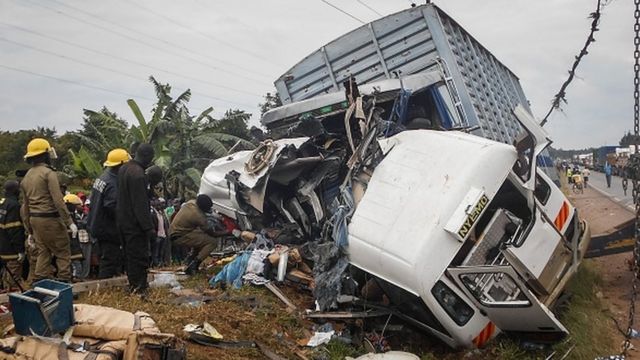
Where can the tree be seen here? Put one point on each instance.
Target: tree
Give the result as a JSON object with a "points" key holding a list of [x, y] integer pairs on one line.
{"points": [[234, 122], [271, 101], [185, 144], [629, 139], [13, 146]]}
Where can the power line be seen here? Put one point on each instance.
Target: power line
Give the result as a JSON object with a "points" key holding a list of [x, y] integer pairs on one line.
{"points": [[135, 77], [203, 34], [109, 30], [122, 58], [74, 82], [342, 11], [161, 39], [369, 7]]}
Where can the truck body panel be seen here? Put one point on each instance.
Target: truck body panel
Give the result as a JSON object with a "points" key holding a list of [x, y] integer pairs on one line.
{"points": [[483, 91], [415, 40]]}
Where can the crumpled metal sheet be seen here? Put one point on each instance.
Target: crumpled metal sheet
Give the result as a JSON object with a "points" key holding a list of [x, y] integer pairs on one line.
{"points": [[330, 265]]}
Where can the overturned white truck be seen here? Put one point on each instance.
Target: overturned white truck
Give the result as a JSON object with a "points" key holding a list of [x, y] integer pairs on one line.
{"points": [[465, 235]]}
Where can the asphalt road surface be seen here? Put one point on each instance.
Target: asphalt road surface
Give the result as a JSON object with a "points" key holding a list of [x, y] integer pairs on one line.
{"points": [[615, 192]]}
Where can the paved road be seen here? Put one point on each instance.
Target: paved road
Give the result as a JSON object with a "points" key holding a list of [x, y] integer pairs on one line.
{"points": [[598, 181]]}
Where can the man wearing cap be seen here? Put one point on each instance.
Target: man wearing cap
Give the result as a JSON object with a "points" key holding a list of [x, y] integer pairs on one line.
{"points": [[11, 236], [133, 217], [191, 229], [101, 222], [44, 212]]}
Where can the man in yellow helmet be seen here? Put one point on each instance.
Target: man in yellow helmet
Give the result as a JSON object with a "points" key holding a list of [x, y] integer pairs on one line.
{"points": [[44, 212], [74, 205], [101, 222]]}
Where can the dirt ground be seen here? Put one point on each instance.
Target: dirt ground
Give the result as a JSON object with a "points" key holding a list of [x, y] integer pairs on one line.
{"points": [[255, 314], [603, 214]]}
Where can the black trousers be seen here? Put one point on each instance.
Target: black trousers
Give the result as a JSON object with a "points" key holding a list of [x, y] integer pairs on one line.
{"points": [[111, 258], [138, 256]]}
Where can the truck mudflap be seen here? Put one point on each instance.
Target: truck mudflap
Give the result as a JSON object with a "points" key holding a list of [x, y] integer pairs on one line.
{"points": [[498, 292]]}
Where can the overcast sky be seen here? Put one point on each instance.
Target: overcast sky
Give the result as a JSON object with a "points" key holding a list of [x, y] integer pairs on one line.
{"points": [[230, 52]]}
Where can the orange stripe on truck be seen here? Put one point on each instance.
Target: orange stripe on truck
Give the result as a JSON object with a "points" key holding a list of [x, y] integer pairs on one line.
{"points": [[484, 335], [562, 216]]}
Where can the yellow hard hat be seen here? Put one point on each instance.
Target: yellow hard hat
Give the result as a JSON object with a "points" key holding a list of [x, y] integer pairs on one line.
{"points": [[72, 199], [117, 157], [37, 146]]}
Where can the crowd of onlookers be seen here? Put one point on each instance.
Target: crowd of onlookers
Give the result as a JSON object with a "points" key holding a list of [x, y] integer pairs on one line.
{"points": [[47, 232]]}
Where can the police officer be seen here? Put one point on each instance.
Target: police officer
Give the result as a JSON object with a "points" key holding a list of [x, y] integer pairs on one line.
{"points": [[190, 229], [102, 216], [133, 217], [44, 212], [12, 236]]}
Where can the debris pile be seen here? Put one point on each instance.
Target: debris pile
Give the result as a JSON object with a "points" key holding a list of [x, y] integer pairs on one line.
{"points": [[99, 333]]}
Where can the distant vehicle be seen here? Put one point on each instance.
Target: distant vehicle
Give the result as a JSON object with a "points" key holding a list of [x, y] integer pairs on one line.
{"points": [[603, 154]]}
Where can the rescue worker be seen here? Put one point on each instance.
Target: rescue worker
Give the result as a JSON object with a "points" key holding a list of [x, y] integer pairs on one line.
{"points": [[133, 217], [102, 217], [190, 229], [75, 207], [12, 236], [44, 213]]}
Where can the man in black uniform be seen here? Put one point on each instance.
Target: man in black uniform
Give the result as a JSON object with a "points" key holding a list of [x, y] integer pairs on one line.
{"points": [[102, 217], [11, 235], [133, 217]]}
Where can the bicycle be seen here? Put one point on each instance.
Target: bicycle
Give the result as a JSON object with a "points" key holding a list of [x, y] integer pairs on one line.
{"points": [[577, 187]]}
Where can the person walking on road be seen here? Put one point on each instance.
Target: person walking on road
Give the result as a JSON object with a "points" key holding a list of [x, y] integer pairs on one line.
{"points": [[102, 215], [134, 217], [45, 214], [607, 173], [11, 236], [190, 229], [585, 176]]}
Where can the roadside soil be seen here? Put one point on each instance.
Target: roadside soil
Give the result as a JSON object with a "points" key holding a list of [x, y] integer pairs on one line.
{"points": [[603, 214]]}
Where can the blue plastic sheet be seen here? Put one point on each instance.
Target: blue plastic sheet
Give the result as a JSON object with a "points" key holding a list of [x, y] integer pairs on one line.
{"points": [[232, 272]]}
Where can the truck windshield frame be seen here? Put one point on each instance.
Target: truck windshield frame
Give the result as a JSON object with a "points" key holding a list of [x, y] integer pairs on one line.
{"points": [[481, 284]]}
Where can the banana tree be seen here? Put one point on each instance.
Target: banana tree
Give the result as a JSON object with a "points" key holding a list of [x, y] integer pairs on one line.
{"points": [[183, 144]]}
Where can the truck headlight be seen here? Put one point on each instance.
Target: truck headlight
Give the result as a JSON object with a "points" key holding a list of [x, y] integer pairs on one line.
{"points": [[457, 308]]}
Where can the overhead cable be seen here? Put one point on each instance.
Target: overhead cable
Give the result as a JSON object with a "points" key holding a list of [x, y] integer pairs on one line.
{"points": [[115, 71], [369, 7], [343, 11], [110, 30], [112, 56], [177, 45], [203, 34], [74, 82]]}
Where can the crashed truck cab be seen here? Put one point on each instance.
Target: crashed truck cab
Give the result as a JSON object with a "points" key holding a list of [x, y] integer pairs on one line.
{"points": [[465, 235], [467, 240]]}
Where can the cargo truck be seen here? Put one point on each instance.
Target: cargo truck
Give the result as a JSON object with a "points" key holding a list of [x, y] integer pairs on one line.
{"points": [[435, 172], [602, 155]]}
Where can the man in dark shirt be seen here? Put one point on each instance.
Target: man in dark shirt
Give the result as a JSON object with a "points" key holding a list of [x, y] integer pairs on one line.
{"points": [[134, 218], [11, 236], [191, 229], [102, 217]]}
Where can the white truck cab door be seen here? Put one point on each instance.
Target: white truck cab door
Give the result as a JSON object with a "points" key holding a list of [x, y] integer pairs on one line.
{"points": [[530, 146], [498, 292]]}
